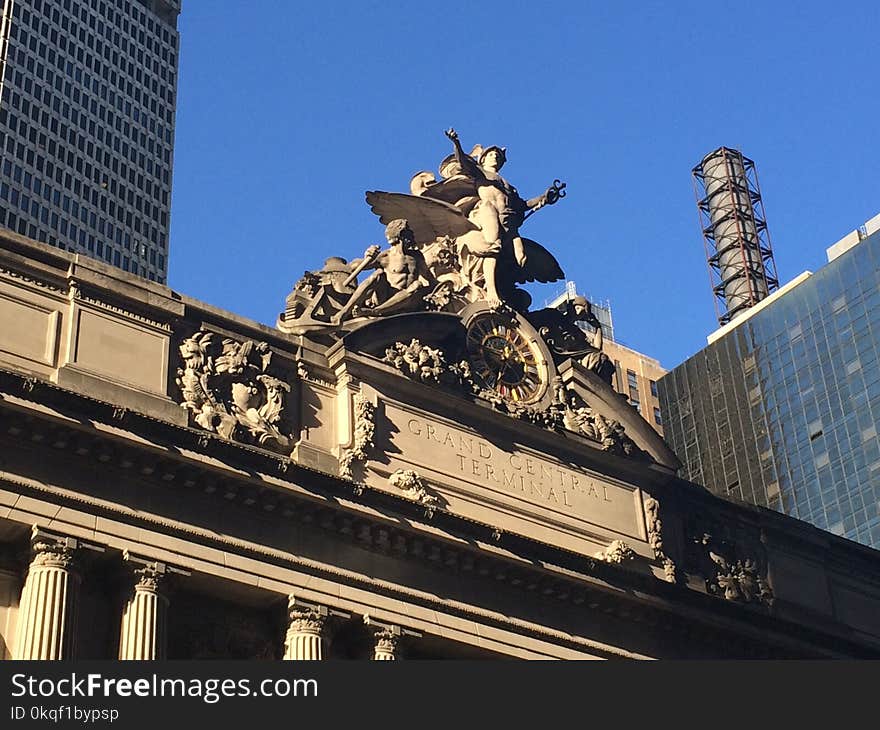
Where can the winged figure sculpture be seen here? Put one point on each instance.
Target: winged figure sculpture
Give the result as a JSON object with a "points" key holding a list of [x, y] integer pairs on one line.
{"points": [[478, 209]]}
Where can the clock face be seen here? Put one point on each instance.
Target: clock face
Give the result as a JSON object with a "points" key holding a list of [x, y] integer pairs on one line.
{"points": [[506, 359]]}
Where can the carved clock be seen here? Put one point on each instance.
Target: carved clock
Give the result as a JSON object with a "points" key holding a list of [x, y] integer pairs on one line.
{"points": [[506, 358]]}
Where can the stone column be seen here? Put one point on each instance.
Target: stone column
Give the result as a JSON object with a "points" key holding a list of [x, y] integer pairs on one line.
{"points": [[48, 607], [143, 632], [305, 631]]}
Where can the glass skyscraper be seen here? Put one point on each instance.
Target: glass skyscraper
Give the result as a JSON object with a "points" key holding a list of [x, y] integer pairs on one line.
{"points": [[782, 409], [87, 126]]}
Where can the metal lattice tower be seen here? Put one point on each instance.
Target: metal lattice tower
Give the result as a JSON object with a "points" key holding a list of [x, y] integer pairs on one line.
{"points": [[737, 244]]}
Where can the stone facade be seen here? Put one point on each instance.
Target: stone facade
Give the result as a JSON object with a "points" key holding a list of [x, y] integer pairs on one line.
{"points": [[333, 505]]}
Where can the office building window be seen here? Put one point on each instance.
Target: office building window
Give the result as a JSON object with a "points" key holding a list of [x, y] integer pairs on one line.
{"points": [[633, 384]]}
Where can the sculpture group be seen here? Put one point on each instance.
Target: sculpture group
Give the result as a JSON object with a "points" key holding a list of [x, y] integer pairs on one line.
{"points": [[452, 240]]}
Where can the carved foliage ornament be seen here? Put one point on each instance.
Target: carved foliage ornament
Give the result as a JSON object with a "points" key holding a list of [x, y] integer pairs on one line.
{"points": [[608, 432], [413, 487], [52, 553], [227, 389], [732, 560], [655, 537], [735, 579], [428, 365], [306, 621], [149, 578], [387, 641], [362, 439], [617, 553]]}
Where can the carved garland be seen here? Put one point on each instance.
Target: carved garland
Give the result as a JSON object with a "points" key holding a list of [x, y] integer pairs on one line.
{"points": [[362, 440], [429, 365], [655, 538]]}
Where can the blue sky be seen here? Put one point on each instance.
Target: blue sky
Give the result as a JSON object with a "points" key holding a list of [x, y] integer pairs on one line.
{"points": [[289, 111]]}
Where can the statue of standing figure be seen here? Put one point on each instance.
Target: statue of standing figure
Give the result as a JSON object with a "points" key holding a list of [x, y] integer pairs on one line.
{"points": [[499, 210]]}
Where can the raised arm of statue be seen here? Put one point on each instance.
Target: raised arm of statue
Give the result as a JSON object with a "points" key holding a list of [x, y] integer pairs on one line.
{"points": [[456, 143], [368, 261], [469, 165]]}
